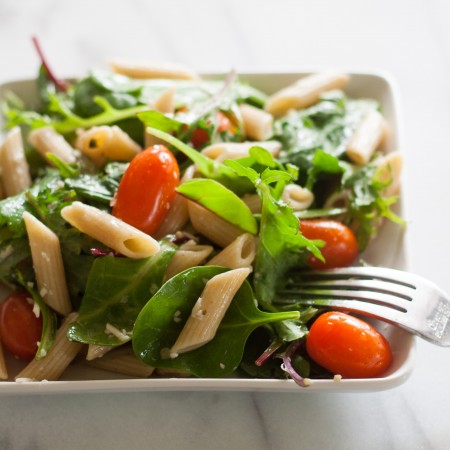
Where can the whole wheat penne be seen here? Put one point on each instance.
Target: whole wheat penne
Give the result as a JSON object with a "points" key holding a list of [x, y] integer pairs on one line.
{"points": [[178, 214], [15, 171], [188, 255], [141, 69], [48, 264], [257, 122], [297, 197], [234, 150], [109, 230], [208, 311], [165, 103], [366, 138], [305, 92], [58, 358], [212, 226], [3, 369], [47, 140], [239, 254], [97, 351], [389, 168], [253, 201], [121, 360], [106, 143]]}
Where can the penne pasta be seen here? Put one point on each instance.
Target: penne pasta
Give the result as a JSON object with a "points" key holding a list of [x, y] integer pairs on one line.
{"points": [[121, 360], [141, 69], [110, 231], [297, 197], [165, 103], [253, 201], [239, 254], [3, 369], [178, 214], [366, 139], [48, 265], [105, 143], [97, 351], [212, 226], [15, 171], [257, 122], [60, 355], [389, 168], [305, 92], [47, 140], [208, 311], [234, 150], [189, 255]]}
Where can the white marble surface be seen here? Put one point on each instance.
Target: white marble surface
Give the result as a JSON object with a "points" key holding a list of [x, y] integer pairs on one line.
{"points": [[409, 39]]}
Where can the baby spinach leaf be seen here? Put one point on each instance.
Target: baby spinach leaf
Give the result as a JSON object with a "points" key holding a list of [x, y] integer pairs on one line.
{"points": [[116, 291], [157, 327], [221, 201]]}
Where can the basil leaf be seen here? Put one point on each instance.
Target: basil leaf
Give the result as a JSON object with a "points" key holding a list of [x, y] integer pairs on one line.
{"points": [[156, 329], [221, 201]]}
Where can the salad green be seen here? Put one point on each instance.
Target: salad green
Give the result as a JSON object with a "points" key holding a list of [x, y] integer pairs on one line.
{"points": [[132, 295]]}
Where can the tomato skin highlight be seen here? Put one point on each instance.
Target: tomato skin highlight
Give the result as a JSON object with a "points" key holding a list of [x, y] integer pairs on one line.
{"points": [[147, 189], [20, 329], [348, 346], [341, 247]]}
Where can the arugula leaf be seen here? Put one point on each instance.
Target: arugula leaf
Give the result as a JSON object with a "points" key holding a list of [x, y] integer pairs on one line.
{"points": [[221, 201], [116, 291], [48, 318], [281, 245], [156, 329], [367, 203], [207, 167]]}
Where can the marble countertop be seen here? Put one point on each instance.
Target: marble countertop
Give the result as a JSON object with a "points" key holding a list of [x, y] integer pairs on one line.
{"points": [[408, 39]]}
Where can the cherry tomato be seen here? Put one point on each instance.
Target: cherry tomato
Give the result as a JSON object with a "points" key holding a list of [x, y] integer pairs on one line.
{"points": [[341, 246], [20, 329], [224, 123], [348, 346], [200, 138], [147, 189]]}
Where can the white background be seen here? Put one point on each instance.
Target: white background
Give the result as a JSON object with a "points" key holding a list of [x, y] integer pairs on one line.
{"points": [[408, 39]]}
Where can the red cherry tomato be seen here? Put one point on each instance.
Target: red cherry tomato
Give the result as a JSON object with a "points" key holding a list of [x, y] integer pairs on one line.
{"points": [[341, 246], [224, 123], [200, 138], [20, 329], [147, 189], [348, 346]]}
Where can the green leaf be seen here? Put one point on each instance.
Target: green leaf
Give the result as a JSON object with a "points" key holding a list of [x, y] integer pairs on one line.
{"points": [[66, 170], [156, 330], [221, 201], [116, 291], [48, 319], [160, 121], [207, 167]]}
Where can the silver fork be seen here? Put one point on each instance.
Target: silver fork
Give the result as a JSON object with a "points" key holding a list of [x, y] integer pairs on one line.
{"points": [[394, 296]]}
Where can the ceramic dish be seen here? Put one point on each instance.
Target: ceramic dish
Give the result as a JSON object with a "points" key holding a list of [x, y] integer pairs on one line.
{"points": [[388, 249]]}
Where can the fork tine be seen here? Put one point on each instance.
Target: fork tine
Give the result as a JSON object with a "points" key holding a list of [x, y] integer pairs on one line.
{"points": [[381, 273], [361, 307], [378, 298], [356, 284]]}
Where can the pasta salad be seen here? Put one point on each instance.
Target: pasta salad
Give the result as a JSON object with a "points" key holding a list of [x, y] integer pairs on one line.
{"points": [[155, 223]]}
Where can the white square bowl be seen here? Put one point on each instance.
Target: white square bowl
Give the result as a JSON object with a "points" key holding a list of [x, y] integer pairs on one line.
{"points": [[388, 249]]}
